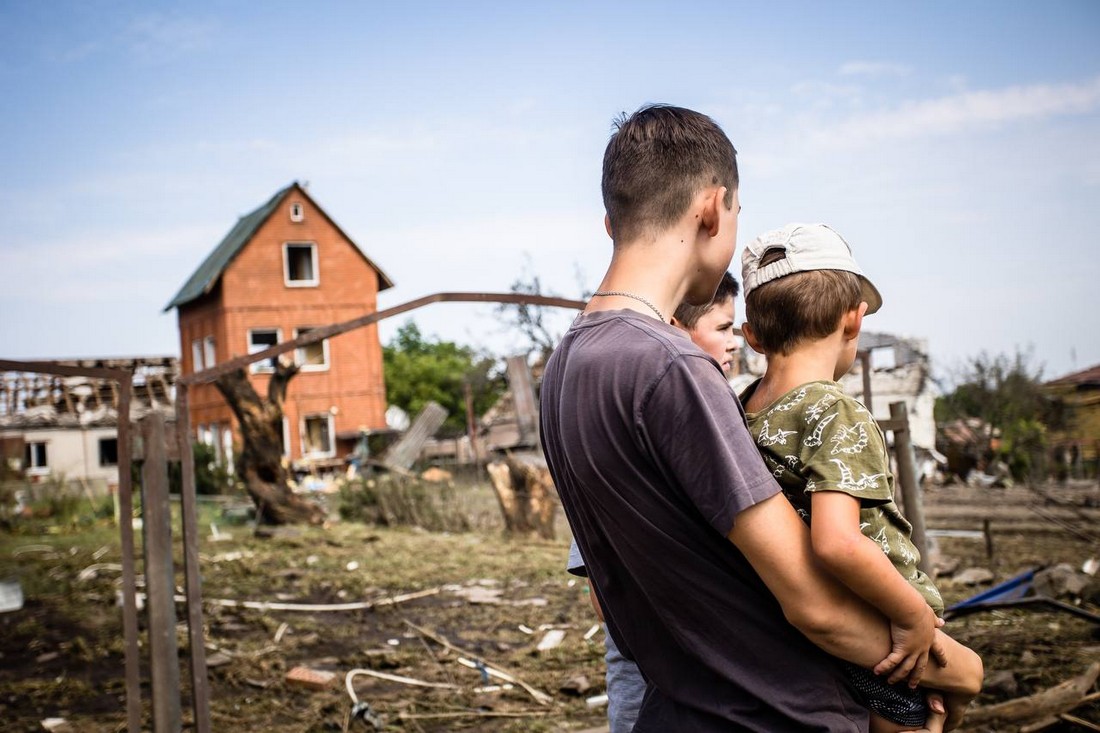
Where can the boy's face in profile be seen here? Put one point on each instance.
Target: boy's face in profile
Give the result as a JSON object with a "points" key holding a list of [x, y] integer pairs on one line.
{"points": [[713, 333]]}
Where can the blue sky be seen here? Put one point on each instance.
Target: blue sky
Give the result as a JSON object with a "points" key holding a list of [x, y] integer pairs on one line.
{"points": [[955, 145]]}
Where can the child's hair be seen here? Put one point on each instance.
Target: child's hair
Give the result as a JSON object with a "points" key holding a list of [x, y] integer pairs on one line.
{"points": [[657, 159], [688, 315], [804, 306]]}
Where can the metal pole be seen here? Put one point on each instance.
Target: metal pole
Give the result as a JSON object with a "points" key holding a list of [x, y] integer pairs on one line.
{"points": [[865, 369], [200, 687], [129, 584], [160, 580], [912, 501]]}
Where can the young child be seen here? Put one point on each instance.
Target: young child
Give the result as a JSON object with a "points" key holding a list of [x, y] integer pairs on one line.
{"points": [[710, 327], [700, 565], [805, 302]]}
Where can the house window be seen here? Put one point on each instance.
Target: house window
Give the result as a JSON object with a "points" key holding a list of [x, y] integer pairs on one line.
{"points": [[196, 355], [312, 358], [286, 437], [296, 212], [210, 356], [258, 340], [108, 452], [35, 458], [300, 262], [317, 436]]}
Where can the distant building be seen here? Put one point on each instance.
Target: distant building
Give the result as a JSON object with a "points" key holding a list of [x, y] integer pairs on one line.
{"points": [[281, 270], [1077, 445], [65, 429]]}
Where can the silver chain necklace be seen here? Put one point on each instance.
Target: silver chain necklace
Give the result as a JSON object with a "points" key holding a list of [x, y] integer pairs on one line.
{"points": [[638, 298]]}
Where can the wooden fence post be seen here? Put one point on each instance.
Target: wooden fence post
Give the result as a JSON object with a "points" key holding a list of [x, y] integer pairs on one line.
{"points": [[160, 582], [912, 501]]}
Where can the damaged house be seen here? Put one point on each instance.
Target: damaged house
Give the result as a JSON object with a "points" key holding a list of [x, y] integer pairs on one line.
{"points": [[65, 429], [282, 270], [1076, 445]]}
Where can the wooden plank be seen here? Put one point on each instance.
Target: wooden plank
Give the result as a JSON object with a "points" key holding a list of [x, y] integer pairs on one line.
{"points": [[200, 685], [404, 452], [160, 578], [523, 400], [129, 583]]}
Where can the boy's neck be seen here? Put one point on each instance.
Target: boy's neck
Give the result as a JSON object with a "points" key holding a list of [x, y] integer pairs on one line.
{"points": [[812, 362]]}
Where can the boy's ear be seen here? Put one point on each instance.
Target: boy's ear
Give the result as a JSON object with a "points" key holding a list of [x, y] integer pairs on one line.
{"points": [[853, 321], [607, 225], [750, 337], [712, 209]]}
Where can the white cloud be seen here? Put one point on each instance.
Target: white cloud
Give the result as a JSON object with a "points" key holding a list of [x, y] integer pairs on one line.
{"points": [[969, 110], [873, 69]]}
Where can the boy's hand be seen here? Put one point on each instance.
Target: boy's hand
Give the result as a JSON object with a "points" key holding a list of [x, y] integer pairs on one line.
{"points": [[912, 643]]}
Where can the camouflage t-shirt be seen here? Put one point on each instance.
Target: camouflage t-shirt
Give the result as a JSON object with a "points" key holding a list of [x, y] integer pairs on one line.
{"points": [[816, 438]]}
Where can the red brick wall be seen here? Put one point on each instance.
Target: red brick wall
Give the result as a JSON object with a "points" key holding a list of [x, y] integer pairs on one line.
{"points": [[253, 294]]}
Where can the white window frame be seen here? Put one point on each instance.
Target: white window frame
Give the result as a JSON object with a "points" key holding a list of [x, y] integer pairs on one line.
{"points": [[299, 354], [286, 266], [196, 355], [209, 351], [262, 367], [297, 212], [32, 468], [331, 435], [286, 437]]}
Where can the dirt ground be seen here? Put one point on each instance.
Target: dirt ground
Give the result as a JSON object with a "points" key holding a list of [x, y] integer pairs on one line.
{"points": [[491, 599]]}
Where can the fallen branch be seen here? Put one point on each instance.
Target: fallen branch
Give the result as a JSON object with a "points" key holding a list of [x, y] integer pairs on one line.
{"points": [[1049, 703], [540, 697]]}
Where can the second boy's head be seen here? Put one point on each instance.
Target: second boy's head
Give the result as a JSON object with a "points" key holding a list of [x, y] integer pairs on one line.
{"points": [[801, 282], [711, 326]]}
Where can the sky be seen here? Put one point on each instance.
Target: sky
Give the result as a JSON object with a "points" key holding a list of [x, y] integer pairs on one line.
{"points": [[956, 146]]}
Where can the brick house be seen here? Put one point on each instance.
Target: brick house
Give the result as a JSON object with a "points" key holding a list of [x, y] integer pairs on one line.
{"points": [[281, 270]]}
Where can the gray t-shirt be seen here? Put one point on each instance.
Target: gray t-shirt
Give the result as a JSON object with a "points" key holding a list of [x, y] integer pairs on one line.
{"points": [[651, 457]]}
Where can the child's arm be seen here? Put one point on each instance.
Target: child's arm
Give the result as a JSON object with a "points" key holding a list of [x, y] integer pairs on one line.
{"points": [[861, 565], [777, 544]]}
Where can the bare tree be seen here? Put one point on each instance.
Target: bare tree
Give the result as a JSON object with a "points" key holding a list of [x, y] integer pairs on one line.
{"points": [[261, 464]]}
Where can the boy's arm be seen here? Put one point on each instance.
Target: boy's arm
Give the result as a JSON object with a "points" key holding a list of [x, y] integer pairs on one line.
{"points": [[862, 566], [777, 544]]}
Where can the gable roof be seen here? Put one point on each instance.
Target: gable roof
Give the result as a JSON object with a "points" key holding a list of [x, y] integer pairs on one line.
{"points": [[203, 280], [1090, 376]]}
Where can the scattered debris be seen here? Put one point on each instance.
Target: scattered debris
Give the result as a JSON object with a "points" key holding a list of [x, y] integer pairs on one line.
{"points": [[351, 566], [218, 659], [973, 576], [576, 686], [1060, 581], [307, 607], [283, 627], [550, 640], [437, 475], [11, 595], [398, 678], [1046, 705], [596, 701], [311, 679], [57, 725], [1001, 683], [591, 632]]}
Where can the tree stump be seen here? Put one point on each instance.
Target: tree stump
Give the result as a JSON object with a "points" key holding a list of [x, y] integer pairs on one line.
{"points": [[528, 500]]}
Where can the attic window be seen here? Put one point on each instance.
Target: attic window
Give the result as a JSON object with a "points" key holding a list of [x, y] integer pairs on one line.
{"points": [[300, 262], [297, 213]]}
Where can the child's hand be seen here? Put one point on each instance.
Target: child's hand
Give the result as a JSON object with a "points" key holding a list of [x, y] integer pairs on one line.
{"points": [[912, 643]]}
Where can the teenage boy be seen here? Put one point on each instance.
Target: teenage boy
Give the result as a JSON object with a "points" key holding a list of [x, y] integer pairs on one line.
{"points": [[710, 327], [703, 570], [805, 302]]}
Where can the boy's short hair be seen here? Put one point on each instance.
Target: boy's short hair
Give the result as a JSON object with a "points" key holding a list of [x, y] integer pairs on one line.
{"points": [[688, 315], [657, 159], [799, 281]]}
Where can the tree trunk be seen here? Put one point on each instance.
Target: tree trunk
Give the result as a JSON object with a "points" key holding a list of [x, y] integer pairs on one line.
{"points": [[528, 500], [261, 465]]}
